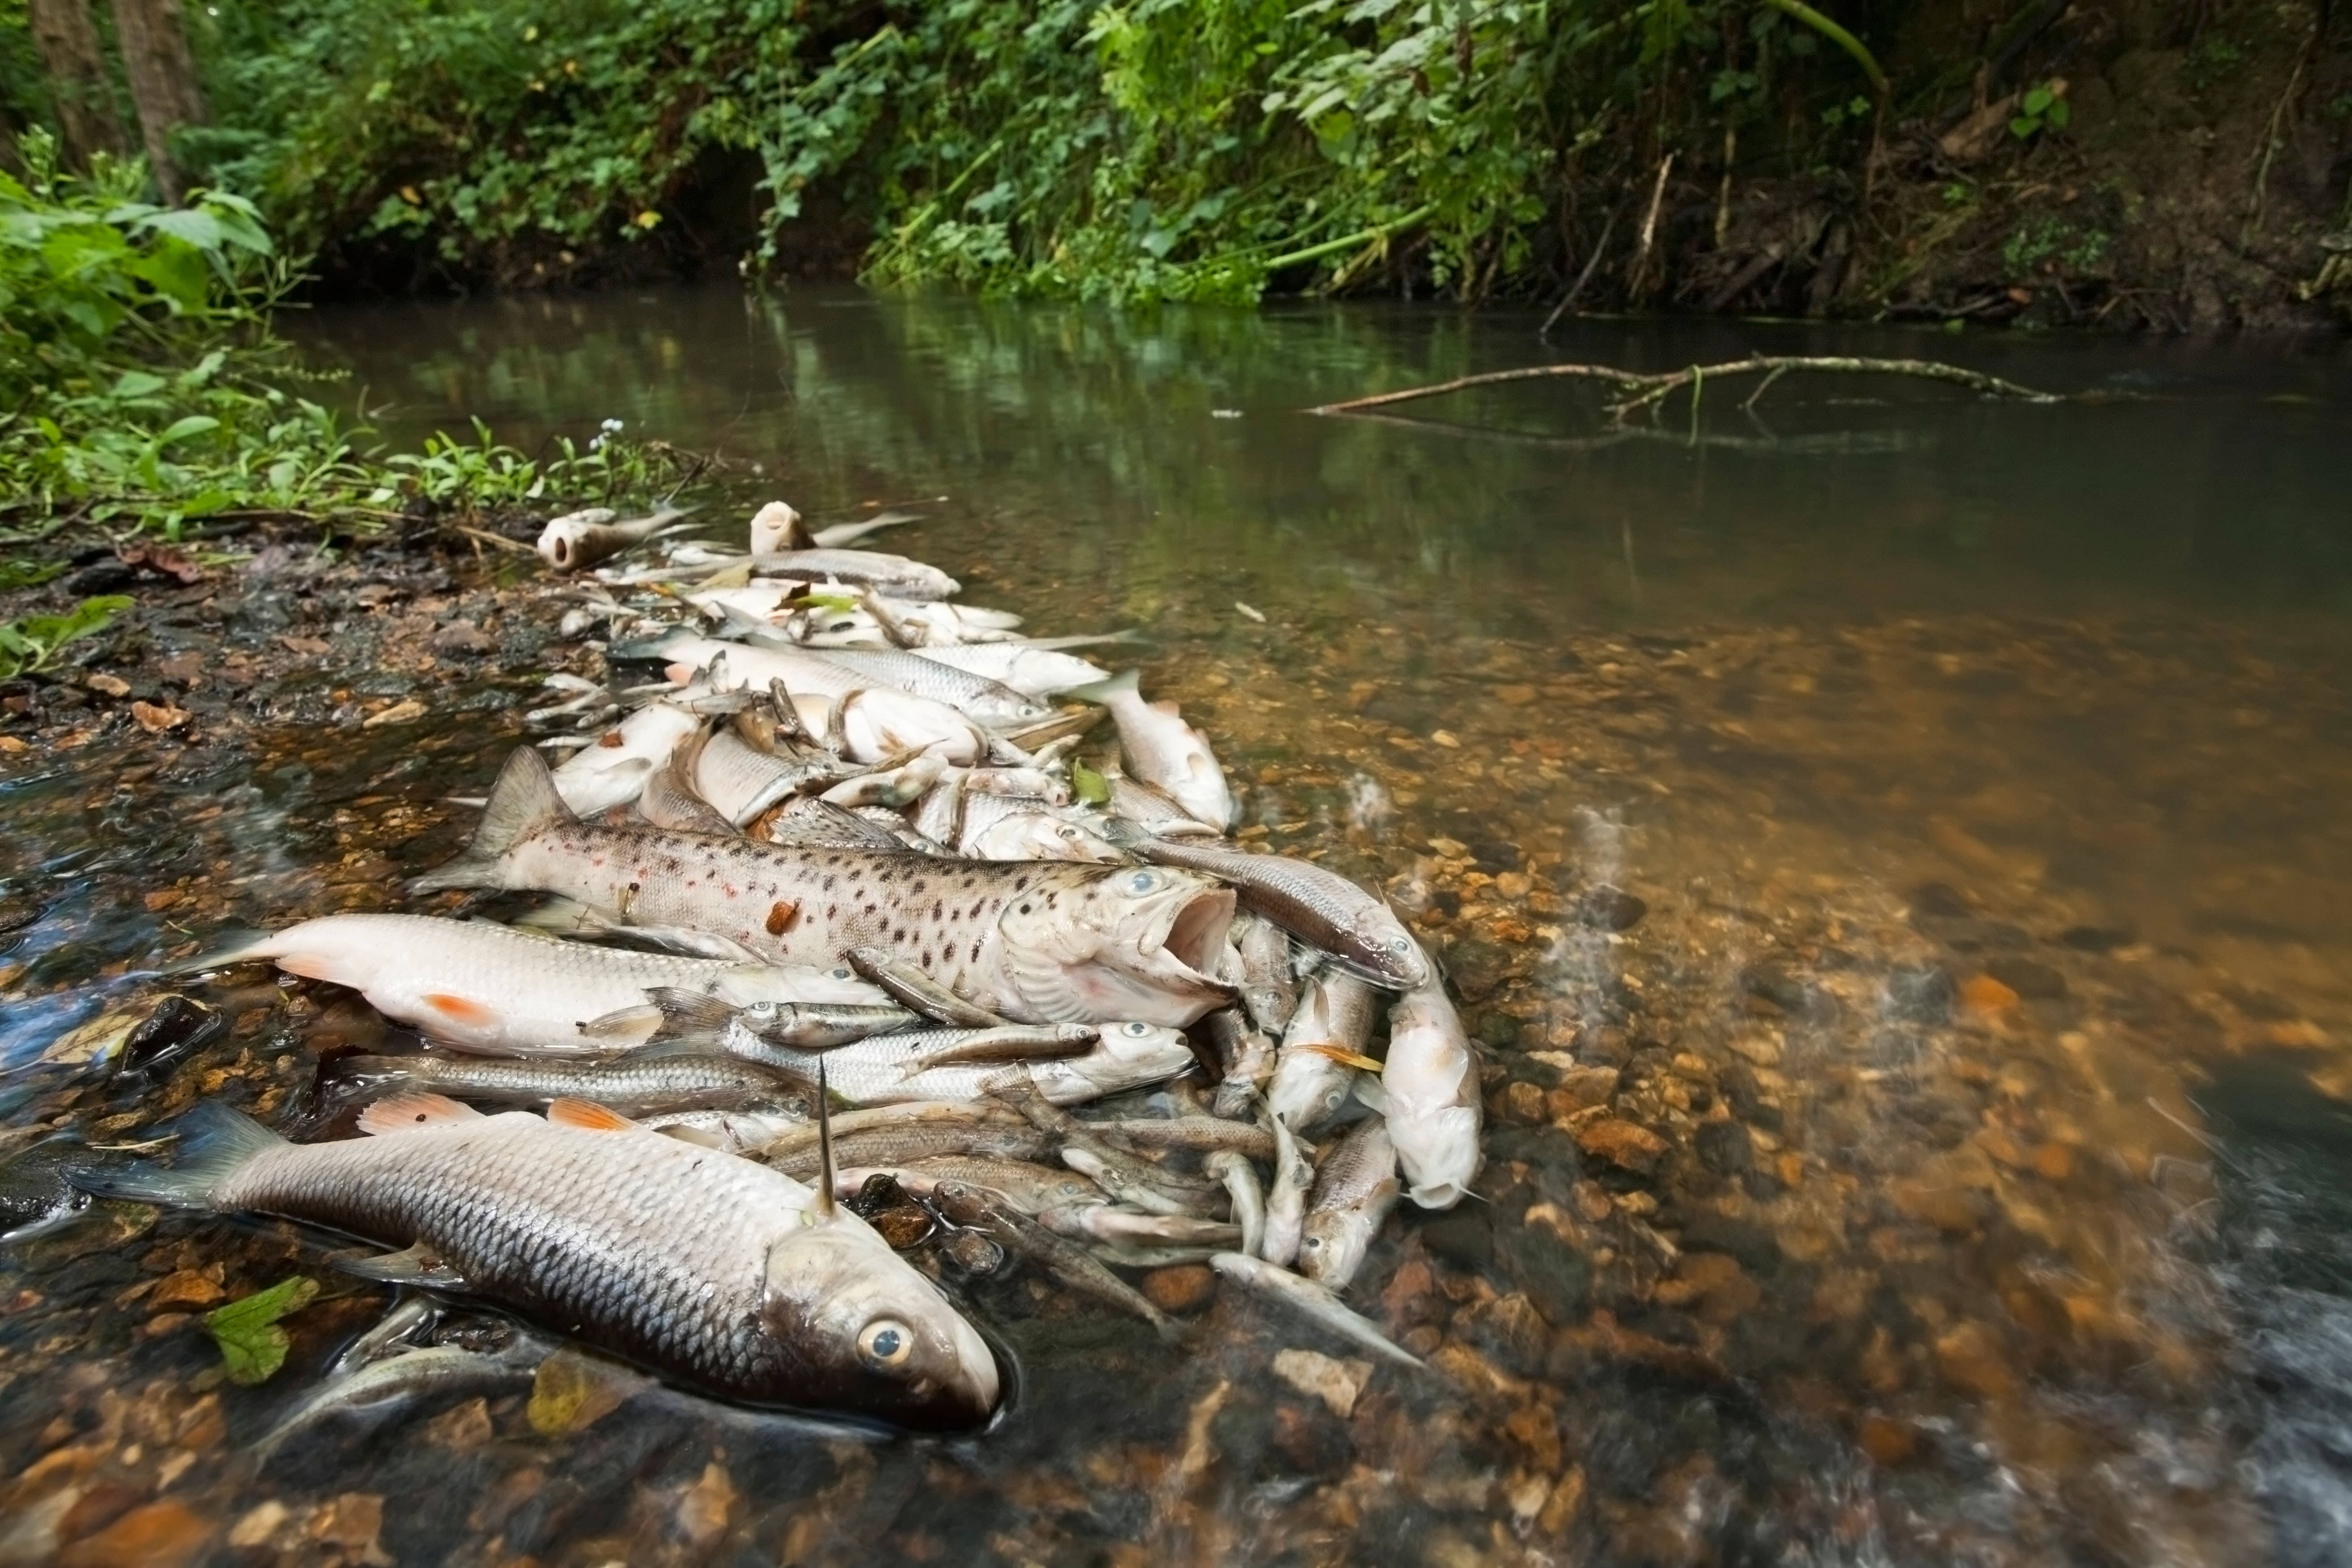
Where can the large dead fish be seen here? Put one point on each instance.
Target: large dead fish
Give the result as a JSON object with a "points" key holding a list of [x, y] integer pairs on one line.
{"points": [[611, 768], [716, 1271], [1037, 943], [1431, 1084], [875, 720], [1354, 1191], [487, 987], [893, 575]]}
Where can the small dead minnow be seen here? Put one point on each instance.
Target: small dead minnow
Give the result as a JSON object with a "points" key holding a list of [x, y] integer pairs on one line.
{"points": [[1246, 1196], [1164, 751], [1311, 1300], [1286, 1206], [1333, 1021], [435, 1371], [1066, 1261], [1354, 1191], [643, 1086]]}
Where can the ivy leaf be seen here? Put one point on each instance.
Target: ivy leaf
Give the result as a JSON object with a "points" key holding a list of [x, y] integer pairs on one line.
{"points": [[1087, 784], [252, 1345]]}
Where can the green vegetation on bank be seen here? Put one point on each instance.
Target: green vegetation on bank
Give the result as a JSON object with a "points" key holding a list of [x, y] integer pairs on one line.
{"points": [[144, 390]]}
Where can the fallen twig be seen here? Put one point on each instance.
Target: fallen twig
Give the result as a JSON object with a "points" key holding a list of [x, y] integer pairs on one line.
{"points": [[1639, 390]]}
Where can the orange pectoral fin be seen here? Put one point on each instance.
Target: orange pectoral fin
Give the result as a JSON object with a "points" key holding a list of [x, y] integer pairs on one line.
{"points": [[460, 1009], [407, 1112], [587, 1116], [308, 965]]}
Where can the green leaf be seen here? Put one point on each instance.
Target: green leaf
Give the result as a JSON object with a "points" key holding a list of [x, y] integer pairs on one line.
{"points": [[2059, 113], [188, 424], [1087, 784], [2037, 101], [137, 383], [2022, 128], [198, 228], [251, 1344]]}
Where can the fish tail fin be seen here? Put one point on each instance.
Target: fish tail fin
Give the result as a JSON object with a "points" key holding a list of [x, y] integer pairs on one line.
{"points": [[687, 1015], [215, 1140], [232, 947], [1126, 683], [523, 804]]}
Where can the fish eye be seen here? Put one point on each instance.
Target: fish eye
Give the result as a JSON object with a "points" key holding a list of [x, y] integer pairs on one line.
{"points": [[844, 972], [1136, 1031], [1145, 882], [1400, 944], [762, 1009], [884, 1344]]}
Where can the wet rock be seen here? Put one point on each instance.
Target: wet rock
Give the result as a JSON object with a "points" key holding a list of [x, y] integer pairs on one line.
{"points": [[1499, 1031], [1463, 1236], [1477, 967], [1554, 1276], [177, 1028], [1725, 1147], [1510, 1328], [904, 1226], [463, 637], [973, 1253], [706, 1509], [1987, 997], [1581, 1089], [1786, 989], [1606, 907], [1941, 899], [1920, 992], [2026, 977], [1756, 1247], [2095, 939], [1625, 1144], [1955, 1210], [1336, 1383], [257, 1525], [1603, 1044], [1971, 1361], [1888, 1442], [1185, 1287], [1523, 1103], [351, 1521], [1712, 1283]]}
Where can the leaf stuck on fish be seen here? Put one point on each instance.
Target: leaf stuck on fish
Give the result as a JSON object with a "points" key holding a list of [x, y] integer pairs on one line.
{"points": [[251, 1344], [782, 916], [573, 1390], [1087, 784]]}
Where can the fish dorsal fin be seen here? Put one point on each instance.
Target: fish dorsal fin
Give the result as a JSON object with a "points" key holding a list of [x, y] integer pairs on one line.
{"points": [[418, 1109], [586, 1116], [826, 1173], [521, 805], [689, 1015], [669, 800]]}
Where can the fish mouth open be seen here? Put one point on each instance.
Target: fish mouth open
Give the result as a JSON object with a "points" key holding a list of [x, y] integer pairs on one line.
{"points": [[1197, 934]]}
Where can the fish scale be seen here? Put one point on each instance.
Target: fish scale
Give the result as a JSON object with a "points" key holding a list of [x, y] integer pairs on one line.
{"points": [[645, 1246]]}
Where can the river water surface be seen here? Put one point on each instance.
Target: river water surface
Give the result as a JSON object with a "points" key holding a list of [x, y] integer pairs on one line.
{"points": [[1890, 845]]}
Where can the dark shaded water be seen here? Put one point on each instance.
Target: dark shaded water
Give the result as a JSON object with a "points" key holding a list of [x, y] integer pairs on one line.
{"points": [[1978, 768]]}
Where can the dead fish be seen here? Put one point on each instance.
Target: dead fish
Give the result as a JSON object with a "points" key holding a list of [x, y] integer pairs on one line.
{"points": [[1321, 908], [1311, 1300], [699, 1019], [1028, 667], [810, 824], [1164, 751], [1204, 1133], [1269, 984], [744, 1132], [669, 799], [433, 1371], [1036, 944], [1125, 1182], [1310, 1081], [1007, 828], [1249, 1055], [1029, 1188], [1112, 1225], [719, 1272], [906, 1144], [741, 782], [1354, 1191], [875, 720], [639, 1086], [488, 987], [1286, 1206], [579, 540], [1151, 810], [776, 528], [893, 575], [612, 769], [977, 696], [1242, 1191], [894, 787], [1430, 1082], [970, 1207], [904, 1066]]}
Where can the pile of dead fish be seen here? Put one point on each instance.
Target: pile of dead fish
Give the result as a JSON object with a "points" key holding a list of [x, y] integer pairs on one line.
{"points": [[841, 918]]}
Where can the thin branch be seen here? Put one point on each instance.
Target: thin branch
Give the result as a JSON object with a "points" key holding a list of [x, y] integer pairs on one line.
{"points": [[1599, 249], [1639, 390]]}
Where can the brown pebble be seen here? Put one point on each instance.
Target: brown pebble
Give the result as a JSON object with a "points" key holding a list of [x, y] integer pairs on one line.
{"points": [[350, 1521], [186, 1287], [1971, 1363], [160, 1535], [904, 1226], [1888, 1442], [1523, 1103], [2054, 1162], [1185, 1287], [1952, 1209], [1623, 1143], [462, 1429]]}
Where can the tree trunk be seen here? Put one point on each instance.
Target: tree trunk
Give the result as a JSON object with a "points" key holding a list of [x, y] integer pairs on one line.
{"points": [[155, 55], [71, 57]]}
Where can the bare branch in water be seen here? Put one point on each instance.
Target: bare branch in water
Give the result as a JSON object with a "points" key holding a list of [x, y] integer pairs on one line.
{"points": [[1637, 390]]}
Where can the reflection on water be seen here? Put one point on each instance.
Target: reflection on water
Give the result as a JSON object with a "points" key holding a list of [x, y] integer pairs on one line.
{"points": [[1888, 847]]}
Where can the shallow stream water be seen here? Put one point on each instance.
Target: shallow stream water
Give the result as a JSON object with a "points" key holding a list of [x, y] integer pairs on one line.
{"points": [[1890, 846]]}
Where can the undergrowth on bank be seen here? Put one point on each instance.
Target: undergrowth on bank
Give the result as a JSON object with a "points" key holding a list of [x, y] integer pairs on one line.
{"points": [[145, 391]]}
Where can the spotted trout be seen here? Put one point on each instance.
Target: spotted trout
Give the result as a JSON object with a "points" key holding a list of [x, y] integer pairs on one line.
{"points": [[714, 1271], [1060, 942]]}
